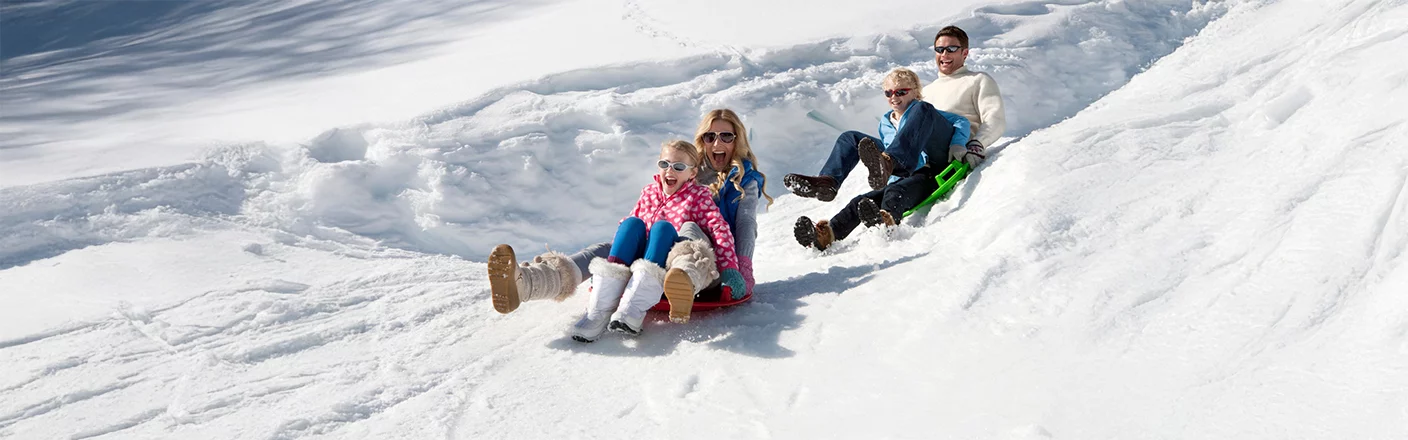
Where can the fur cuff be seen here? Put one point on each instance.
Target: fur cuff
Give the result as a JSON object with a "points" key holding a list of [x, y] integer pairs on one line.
{"points": [[648, 268], [696, 259], [571, 276], [602, 268]]}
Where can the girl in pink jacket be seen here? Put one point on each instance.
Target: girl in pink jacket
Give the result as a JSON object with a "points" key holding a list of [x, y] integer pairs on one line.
{"points": [[631, 280]]}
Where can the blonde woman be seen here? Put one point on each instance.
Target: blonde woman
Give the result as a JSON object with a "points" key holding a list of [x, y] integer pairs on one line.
{"points": [[728, 172], [737, 186]]}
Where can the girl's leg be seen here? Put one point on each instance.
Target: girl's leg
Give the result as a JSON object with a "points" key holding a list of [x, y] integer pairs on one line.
{"points": [[647, 280], [609, 279], [630, 241], [662, 238]]}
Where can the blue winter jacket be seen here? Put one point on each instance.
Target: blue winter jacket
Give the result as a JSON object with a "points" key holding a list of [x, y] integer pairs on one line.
{"points": [[730, 196], [914, 133]]}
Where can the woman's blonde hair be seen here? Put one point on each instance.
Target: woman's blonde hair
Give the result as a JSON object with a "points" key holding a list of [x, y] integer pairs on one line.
{"points": [[741, 151], [905, 79]]}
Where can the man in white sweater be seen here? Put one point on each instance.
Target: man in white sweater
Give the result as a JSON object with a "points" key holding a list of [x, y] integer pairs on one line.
{"points": [[973, 95]]}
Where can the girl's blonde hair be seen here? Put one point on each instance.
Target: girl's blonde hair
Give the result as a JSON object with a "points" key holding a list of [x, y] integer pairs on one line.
{"points": [[905, 79], [741, 151], [684, 147]]}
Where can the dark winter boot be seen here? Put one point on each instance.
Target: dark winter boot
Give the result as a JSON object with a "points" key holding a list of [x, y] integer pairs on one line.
{"points": [[811, 235], [872, 215], [822, 188], [879, 163]]}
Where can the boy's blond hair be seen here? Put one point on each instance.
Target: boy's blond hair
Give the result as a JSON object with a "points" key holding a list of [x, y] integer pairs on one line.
{"points": [[904, 78]]}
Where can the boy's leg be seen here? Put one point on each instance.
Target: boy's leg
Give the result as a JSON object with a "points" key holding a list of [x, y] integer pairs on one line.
{"points": [[844, 155], [849, 218], [906, 193]]}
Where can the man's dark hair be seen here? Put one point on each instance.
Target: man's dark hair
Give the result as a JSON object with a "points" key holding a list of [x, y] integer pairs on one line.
{"points": [[955, 32]]}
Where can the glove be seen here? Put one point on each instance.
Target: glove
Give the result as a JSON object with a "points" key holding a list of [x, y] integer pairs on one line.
{"points": [[733, 280], [971, 154]]}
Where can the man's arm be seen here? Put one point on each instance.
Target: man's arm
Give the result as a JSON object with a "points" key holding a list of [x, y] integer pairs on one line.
{"points": [[990, 111]]}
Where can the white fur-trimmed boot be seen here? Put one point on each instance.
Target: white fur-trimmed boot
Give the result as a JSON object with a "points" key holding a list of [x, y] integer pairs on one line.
{"points": [[608, 283], [549, 276], [643, 292], [691, 264]]}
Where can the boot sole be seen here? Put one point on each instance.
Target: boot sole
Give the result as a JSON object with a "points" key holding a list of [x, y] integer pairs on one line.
{"points": [[870, 156], [869, 213], [803, 188], [502, 283], [805, 232], [621, 327], [679, 290]]}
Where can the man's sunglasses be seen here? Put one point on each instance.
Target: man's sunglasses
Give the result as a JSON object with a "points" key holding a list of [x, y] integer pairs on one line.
{"points": [[942, 49], [678, 166], [724, 136], [897, 92]]}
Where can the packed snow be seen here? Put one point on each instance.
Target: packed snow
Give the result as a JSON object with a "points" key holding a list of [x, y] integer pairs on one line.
{"points": [[1195, 227]]}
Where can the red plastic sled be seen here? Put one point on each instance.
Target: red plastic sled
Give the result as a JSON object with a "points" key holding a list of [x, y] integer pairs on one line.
{"points": [[699, 304]]}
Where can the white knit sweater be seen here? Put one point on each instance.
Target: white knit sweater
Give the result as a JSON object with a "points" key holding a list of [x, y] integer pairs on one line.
{"points": [[973, 95]]}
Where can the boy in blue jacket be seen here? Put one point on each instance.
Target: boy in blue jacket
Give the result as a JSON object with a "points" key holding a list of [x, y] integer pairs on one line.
{"points": [[914, 145]]}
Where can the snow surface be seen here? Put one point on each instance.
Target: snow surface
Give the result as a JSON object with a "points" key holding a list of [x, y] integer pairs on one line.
{"points": [[1196, 230]]}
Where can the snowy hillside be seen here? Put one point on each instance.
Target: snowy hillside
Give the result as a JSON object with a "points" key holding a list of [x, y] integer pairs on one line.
{"points": [[1197, 230]]}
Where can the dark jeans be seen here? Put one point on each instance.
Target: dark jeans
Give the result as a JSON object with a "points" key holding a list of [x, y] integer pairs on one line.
{"points": [[895, 198], [845, 156]]}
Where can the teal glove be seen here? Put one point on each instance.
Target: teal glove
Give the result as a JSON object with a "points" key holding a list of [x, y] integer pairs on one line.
{"points": [[733, 280]]}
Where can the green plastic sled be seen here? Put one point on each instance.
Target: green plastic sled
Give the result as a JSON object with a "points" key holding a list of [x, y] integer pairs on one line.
{"points": [[948, 179]]}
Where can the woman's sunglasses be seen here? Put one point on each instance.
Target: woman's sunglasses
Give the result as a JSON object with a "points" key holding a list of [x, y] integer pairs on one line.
{"points": [[724, 137], [942, 49], [897, 92], [678, 166]]}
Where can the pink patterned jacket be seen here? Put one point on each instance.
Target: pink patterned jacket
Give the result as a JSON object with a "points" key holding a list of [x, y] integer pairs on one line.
{"points": [[692, 203]]}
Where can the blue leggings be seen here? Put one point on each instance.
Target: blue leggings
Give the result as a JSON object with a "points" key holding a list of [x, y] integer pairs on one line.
{"points": [[633, 242]]}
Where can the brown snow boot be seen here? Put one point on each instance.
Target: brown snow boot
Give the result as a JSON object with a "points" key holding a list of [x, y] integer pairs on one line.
{"points": [[822, 188], [878, 163], [811, 235]]}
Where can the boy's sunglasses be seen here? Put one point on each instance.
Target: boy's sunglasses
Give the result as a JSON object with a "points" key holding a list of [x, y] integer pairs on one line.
{"points": [[724, 136], [897, 92], [942, 49], [678, 166]]}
